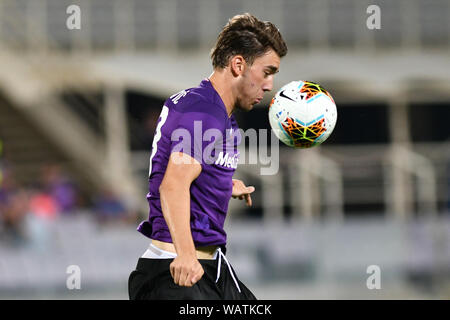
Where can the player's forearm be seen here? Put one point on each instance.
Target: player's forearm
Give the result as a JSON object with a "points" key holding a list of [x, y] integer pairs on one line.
{"points": [[175, 204]]}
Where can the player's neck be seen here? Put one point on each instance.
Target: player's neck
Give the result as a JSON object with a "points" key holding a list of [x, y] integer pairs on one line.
{"points": [[222, 85]]}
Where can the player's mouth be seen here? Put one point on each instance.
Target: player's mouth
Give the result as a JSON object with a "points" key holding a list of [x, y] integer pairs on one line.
{"points": [[258, 100]]}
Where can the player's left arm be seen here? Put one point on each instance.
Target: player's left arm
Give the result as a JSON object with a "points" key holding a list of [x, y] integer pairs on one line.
{"points": [[241, 192]]}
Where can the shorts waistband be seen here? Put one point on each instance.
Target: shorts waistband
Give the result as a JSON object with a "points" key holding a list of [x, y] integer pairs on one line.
{"points": [[207, 252]]}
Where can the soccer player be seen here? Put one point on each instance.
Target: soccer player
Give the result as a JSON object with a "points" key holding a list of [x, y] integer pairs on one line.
{"points": [[194, 156]]}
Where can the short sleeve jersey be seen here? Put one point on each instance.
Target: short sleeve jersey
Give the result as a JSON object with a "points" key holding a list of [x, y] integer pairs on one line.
{"points": [[195, 122]]}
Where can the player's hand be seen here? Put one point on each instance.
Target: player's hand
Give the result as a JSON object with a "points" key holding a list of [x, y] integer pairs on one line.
{"points": [[241, 192], [186, 270]]}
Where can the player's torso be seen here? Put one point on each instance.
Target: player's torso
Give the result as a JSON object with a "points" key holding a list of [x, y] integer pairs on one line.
{"points": [[217, 143]]}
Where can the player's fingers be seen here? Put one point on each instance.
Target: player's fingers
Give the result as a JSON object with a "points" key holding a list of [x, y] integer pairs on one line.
{"points": [[176, 275], [241, 187], [238, 183], [197, 276], [248, 200], [185, 279], [172, 271], [250, 189], [194, 279]]}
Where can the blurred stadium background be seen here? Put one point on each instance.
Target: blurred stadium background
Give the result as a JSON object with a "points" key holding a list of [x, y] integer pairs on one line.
{"points": [[78, 109]]}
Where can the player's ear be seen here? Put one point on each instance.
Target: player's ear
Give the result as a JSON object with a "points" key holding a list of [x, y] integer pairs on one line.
{"points": [[237, 65]]}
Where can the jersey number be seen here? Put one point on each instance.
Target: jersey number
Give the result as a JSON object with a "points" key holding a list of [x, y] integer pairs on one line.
{"points": [[162, 120]]}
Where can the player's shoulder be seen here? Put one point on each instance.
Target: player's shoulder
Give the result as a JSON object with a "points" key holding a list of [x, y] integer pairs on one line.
{"points": [[202, 99]]}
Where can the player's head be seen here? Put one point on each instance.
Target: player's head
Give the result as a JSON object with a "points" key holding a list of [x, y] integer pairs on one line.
{"points": [[250, 49]]}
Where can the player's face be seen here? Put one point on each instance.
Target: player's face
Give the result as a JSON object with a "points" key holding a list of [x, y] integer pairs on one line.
{"points": [[257, 79]]}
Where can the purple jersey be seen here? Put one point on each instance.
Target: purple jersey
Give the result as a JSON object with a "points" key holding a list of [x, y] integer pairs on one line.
{"points": [[195, 121]]}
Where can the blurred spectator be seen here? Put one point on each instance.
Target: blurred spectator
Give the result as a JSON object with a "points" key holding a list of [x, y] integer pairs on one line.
{"points": [[13, 218], [29, 215], [43, 215], [60, 188], [44, 206], [13, 210], [110, 209], [54, 195]]}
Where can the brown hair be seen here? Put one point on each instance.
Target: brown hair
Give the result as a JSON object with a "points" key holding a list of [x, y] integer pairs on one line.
{"points": [[246, 35]]}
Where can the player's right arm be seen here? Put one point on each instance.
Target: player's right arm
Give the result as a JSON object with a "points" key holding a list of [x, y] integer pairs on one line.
{"points": [[174, 190]]}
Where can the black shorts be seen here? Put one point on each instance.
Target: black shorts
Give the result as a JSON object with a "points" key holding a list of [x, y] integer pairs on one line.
{"points": [[152, 281]]}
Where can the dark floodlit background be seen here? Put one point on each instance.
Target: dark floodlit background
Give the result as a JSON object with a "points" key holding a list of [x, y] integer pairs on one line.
{"points": [[78, 110]]}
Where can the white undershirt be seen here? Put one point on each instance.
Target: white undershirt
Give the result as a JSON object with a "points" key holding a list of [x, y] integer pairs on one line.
{"points": [[154, 252]]}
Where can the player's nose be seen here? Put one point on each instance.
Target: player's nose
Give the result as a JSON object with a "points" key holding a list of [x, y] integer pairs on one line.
{"points": [[268, 85]]}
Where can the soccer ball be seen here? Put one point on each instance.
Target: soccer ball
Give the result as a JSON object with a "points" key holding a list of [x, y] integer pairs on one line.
{"points": [[302, 114]]}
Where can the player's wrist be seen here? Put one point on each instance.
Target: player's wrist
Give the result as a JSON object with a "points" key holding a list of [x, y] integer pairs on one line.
{"points": [[187, 251]]}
